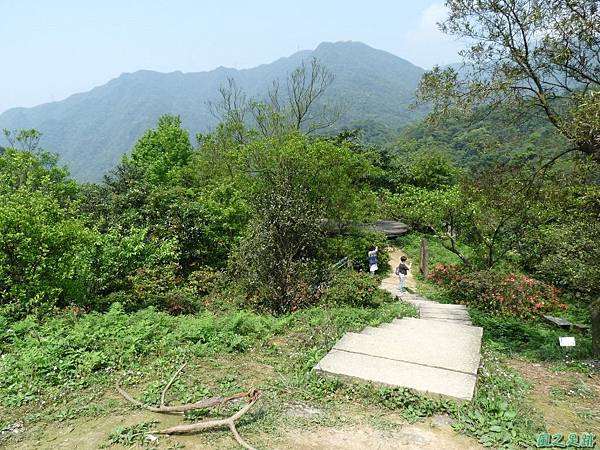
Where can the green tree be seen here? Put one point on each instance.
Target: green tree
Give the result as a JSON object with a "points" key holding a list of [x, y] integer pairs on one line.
{"points": [[45, 249], [528, 53], [160, 153], [298, 189]]}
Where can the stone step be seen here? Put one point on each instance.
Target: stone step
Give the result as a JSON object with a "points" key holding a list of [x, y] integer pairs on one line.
{"points": [[443, 306], [427, 350], [450, 327], [402, 334], [460, 322], [447, 308], [445, 313], [443, 317], [425, 379]]}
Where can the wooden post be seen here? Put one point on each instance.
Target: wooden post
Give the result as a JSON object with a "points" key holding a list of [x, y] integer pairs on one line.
{"points": [[424, 258], [595, 312]]}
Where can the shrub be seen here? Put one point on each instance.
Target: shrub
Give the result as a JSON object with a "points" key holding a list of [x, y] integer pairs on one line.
{"points": [[497, 292], [354, 289], [202, 281]]}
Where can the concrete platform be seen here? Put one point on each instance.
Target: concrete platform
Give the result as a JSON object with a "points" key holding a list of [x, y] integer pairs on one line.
{"points": [[425, 379], [420, 348], [401, 334]]}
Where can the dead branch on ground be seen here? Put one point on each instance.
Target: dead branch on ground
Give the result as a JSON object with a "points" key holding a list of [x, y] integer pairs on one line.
{"points": [[251, 397]]}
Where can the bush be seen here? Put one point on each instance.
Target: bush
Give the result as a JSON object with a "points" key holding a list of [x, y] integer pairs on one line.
{"points": [[203, 281], [68, 350], [497, 292], [354, 289]]}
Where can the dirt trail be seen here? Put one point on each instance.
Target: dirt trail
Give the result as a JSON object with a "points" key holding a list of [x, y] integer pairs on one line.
{"points": [[90, 434], [395, 255]]}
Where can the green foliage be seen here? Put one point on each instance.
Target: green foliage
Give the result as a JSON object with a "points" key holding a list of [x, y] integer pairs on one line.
{"points": [[353, 289], [70, 351], [298, 187], [45, 254], [531, 339], [517, 44], [498, 416], [122, 252], [413, 407], [161, 152], [133, 435], [356, 246]]}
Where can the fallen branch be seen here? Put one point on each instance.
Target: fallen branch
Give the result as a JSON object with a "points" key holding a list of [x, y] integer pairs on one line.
{"points": [[200, 404], [229, 422], [252, 397], [164, 392]]}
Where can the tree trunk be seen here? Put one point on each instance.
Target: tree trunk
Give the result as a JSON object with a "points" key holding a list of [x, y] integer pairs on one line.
{"points": [[595, 312], [424, 258]]}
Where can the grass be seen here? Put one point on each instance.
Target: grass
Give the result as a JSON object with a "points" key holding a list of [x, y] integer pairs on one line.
{"points": [[65, 367]]}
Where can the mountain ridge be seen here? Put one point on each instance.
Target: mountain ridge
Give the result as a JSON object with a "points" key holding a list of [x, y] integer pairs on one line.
{"points": [[92, 130]]}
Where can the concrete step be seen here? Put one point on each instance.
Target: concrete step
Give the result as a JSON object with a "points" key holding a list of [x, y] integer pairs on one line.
{"points": [[445, 317], [425, 379], [444, 313], [460, 322], [450, 327], [441, 307], [400, 335], [423, 349]]}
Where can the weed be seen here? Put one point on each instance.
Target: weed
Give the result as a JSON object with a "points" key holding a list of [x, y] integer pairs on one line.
{"points": [[132, 435], [498, 416]]}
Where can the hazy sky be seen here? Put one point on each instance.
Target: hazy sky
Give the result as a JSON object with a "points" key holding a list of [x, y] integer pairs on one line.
{"points": [[51, 49]]}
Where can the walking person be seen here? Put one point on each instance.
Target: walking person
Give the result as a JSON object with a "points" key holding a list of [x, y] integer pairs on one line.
{"points": [[402, 272], [373, 260]]}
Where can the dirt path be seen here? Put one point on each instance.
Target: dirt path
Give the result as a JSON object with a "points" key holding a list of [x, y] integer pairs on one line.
{"points": [[395, 255]]}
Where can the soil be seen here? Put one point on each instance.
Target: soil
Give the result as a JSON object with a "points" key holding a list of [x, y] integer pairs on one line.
{"points": [[90, 434], [420, 436], [568, 401]]}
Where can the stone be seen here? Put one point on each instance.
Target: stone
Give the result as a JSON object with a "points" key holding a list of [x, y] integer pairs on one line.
{"points": [[434, 350], [425, 379]]}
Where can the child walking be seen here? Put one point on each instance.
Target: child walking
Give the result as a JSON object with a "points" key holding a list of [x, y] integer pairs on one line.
{"points": [[402, 272]]}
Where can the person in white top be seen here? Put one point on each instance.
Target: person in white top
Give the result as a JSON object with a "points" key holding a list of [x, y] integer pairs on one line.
{"points": [[373, 260]]}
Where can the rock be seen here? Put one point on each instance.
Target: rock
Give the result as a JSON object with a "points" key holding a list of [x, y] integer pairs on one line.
{"points": [[300, 410], [442, 421]]}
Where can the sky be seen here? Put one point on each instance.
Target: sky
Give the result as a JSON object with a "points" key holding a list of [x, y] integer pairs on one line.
{"points": [[51, 49]]}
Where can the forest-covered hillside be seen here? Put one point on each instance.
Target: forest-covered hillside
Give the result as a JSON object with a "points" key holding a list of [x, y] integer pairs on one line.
{"points": [[92, 130]]}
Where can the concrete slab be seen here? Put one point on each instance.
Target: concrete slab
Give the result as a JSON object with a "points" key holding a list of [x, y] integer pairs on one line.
{"points": [[439, 307], [451, 327], [430, 380], [444, 314], [460, 322], [433, 351], [400, 335]]}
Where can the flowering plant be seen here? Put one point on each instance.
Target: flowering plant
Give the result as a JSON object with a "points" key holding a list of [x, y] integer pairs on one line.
{"points": [[497, 292]]}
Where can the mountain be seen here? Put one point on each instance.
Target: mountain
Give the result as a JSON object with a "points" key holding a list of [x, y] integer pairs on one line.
{"points": [[92, 130]]}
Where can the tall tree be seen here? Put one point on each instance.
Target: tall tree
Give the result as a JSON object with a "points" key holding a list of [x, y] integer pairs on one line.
{"points": [[291, 106], [538, 53]]}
